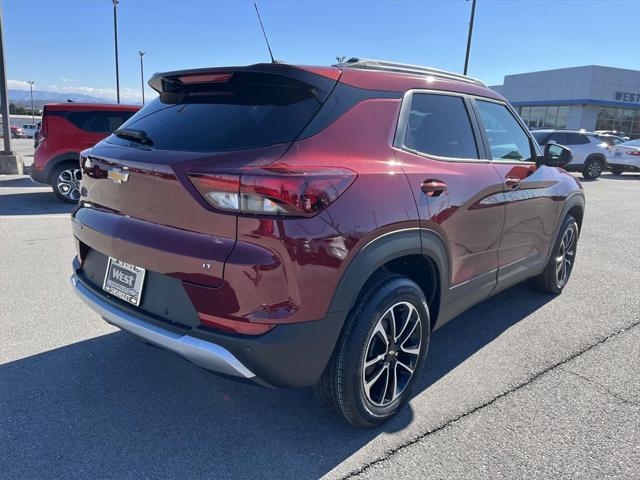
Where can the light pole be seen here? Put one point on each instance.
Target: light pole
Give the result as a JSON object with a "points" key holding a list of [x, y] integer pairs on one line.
{"points": [[9, 162], [115, 36], [6, 125], [473, 14], [141, 53], [33, 118]]}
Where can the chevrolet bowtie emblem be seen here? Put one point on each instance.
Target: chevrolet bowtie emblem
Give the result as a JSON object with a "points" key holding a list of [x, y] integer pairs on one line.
{"points": [[117, 175]]}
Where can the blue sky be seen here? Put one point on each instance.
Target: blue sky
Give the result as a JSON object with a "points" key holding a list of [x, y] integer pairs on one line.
{"points": [[67, 45]]}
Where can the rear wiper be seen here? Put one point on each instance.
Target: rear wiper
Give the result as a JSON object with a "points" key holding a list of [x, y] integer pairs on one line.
{"points": [[135, 135]]}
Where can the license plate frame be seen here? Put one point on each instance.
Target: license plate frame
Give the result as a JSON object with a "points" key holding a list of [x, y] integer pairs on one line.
{"points": [[124, 281]]}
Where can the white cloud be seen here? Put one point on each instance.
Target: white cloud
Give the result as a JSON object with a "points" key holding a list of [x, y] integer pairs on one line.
{"points": [[18, 84], [126, 94]]}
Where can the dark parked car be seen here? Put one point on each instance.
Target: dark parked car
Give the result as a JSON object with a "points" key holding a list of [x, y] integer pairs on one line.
{"points": [[310, 226], [66, 129]]}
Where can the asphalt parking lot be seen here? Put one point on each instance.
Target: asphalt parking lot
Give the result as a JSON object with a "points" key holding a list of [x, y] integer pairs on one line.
{"points": [[522, 385]]}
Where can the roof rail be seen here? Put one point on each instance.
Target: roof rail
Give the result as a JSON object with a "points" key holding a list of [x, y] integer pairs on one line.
{"points": [[369, 64]]}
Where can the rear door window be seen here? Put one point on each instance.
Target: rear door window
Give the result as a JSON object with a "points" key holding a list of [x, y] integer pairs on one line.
{"points": [[576, 139], [507, 139], [559, 137], [439, 125], [250, 110]]}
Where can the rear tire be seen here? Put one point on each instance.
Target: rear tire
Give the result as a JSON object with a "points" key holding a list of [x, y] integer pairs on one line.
{"points": [[592, 168], [65, 181], [379, 354], [557, 272]]}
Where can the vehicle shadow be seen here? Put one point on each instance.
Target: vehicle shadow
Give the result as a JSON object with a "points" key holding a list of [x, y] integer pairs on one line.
{"points": [[112, 407], [19, 182], [32, 203], [624, 176]]}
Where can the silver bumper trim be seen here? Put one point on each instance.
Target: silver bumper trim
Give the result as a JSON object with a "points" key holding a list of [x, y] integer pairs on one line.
{"points": [[204, 354]]}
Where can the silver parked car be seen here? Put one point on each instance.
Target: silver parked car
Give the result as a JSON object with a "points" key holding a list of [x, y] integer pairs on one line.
{"points": [[589, 151]]}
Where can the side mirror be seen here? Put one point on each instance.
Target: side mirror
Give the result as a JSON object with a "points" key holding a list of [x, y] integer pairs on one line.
{"points": [[556, 155]]}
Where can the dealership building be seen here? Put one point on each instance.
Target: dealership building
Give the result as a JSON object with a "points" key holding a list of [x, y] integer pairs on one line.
{"points": [[590, 97]]}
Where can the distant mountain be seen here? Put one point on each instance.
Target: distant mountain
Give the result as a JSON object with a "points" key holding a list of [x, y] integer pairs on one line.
{"points": [[40, 97]]}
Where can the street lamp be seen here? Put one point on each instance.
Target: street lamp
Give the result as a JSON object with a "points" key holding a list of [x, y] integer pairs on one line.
{"points": [[473, 14], [115, 36], [33, 119], [141, 53]]}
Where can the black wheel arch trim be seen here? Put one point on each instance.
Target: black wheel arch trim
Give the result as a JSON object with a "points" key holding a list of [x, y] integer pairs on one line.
{"points": [[575, 199], [383, 249], [59, 159]]}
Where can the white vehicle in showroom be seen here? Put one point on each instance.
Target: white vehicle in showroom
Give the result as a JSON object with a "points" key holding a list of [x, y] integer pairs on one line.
{"points": [[624, 157]]}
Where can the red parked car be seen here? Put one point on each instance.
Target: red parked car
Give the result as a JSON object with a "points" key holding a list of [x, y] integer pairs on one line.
{"points": [[16, 132], [66, 130], [310, 226]]}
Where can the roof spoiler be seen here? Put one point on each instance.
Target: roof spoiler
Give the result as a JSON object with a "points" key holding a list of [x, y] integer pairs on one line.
{"points": [[170, 81]]}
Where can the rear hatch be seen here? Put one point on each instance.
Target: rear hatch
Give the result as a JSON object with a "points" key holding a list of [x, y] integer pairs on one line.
{"points": [[137, 196]]}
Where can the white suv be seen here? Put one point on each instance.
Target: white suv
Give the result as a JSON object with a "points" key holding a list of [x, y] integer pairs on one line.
{"points": [[589, 152], [29, 129]]}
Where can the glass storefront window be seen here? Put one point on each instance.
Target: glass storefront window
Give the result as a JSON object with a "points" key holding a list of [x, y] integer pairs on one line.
{"points": [[550, 117], [561, 119], [536, 120], [625, 120]]}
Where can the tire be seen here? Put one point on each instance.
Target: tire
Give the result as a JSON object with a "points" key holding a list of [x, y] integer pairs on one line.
{"points": [[557, 272], [592, 168], [343, 386], [65, 181], [616, 171]]}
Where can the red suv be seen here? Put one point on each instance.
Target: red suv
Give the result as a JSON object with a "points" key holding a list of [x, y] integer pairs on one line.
{"points": [[66, 130], [302, 226]]}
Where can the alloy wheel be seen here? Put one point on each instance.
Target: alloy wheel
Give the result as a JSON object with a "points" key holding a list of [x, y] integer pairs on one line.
{"points": [[566, 256], [68, 183], [392, 354], [595, 169]]}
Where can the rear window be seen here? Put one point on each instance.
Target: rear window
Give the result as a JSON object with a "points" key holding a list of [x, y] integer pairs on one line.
{"points": [[250, 110], [610, 140], [98, 122]]}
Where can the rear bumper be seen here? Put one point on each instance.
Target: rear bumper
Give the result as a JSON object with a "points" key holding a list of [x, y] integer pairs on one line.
{"points": [[40, 176], [200, 352], [289, 355]]}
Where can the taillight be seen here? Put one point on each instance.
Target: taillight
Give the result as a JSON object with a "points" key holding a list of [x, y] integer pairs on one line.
{"points": [[634, 153], [274, 190]]}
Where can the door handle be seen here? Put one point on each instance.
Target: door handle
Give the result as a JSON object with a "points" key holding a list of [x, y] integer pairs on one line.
{"points": [[513, 183], [433, 187]]}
